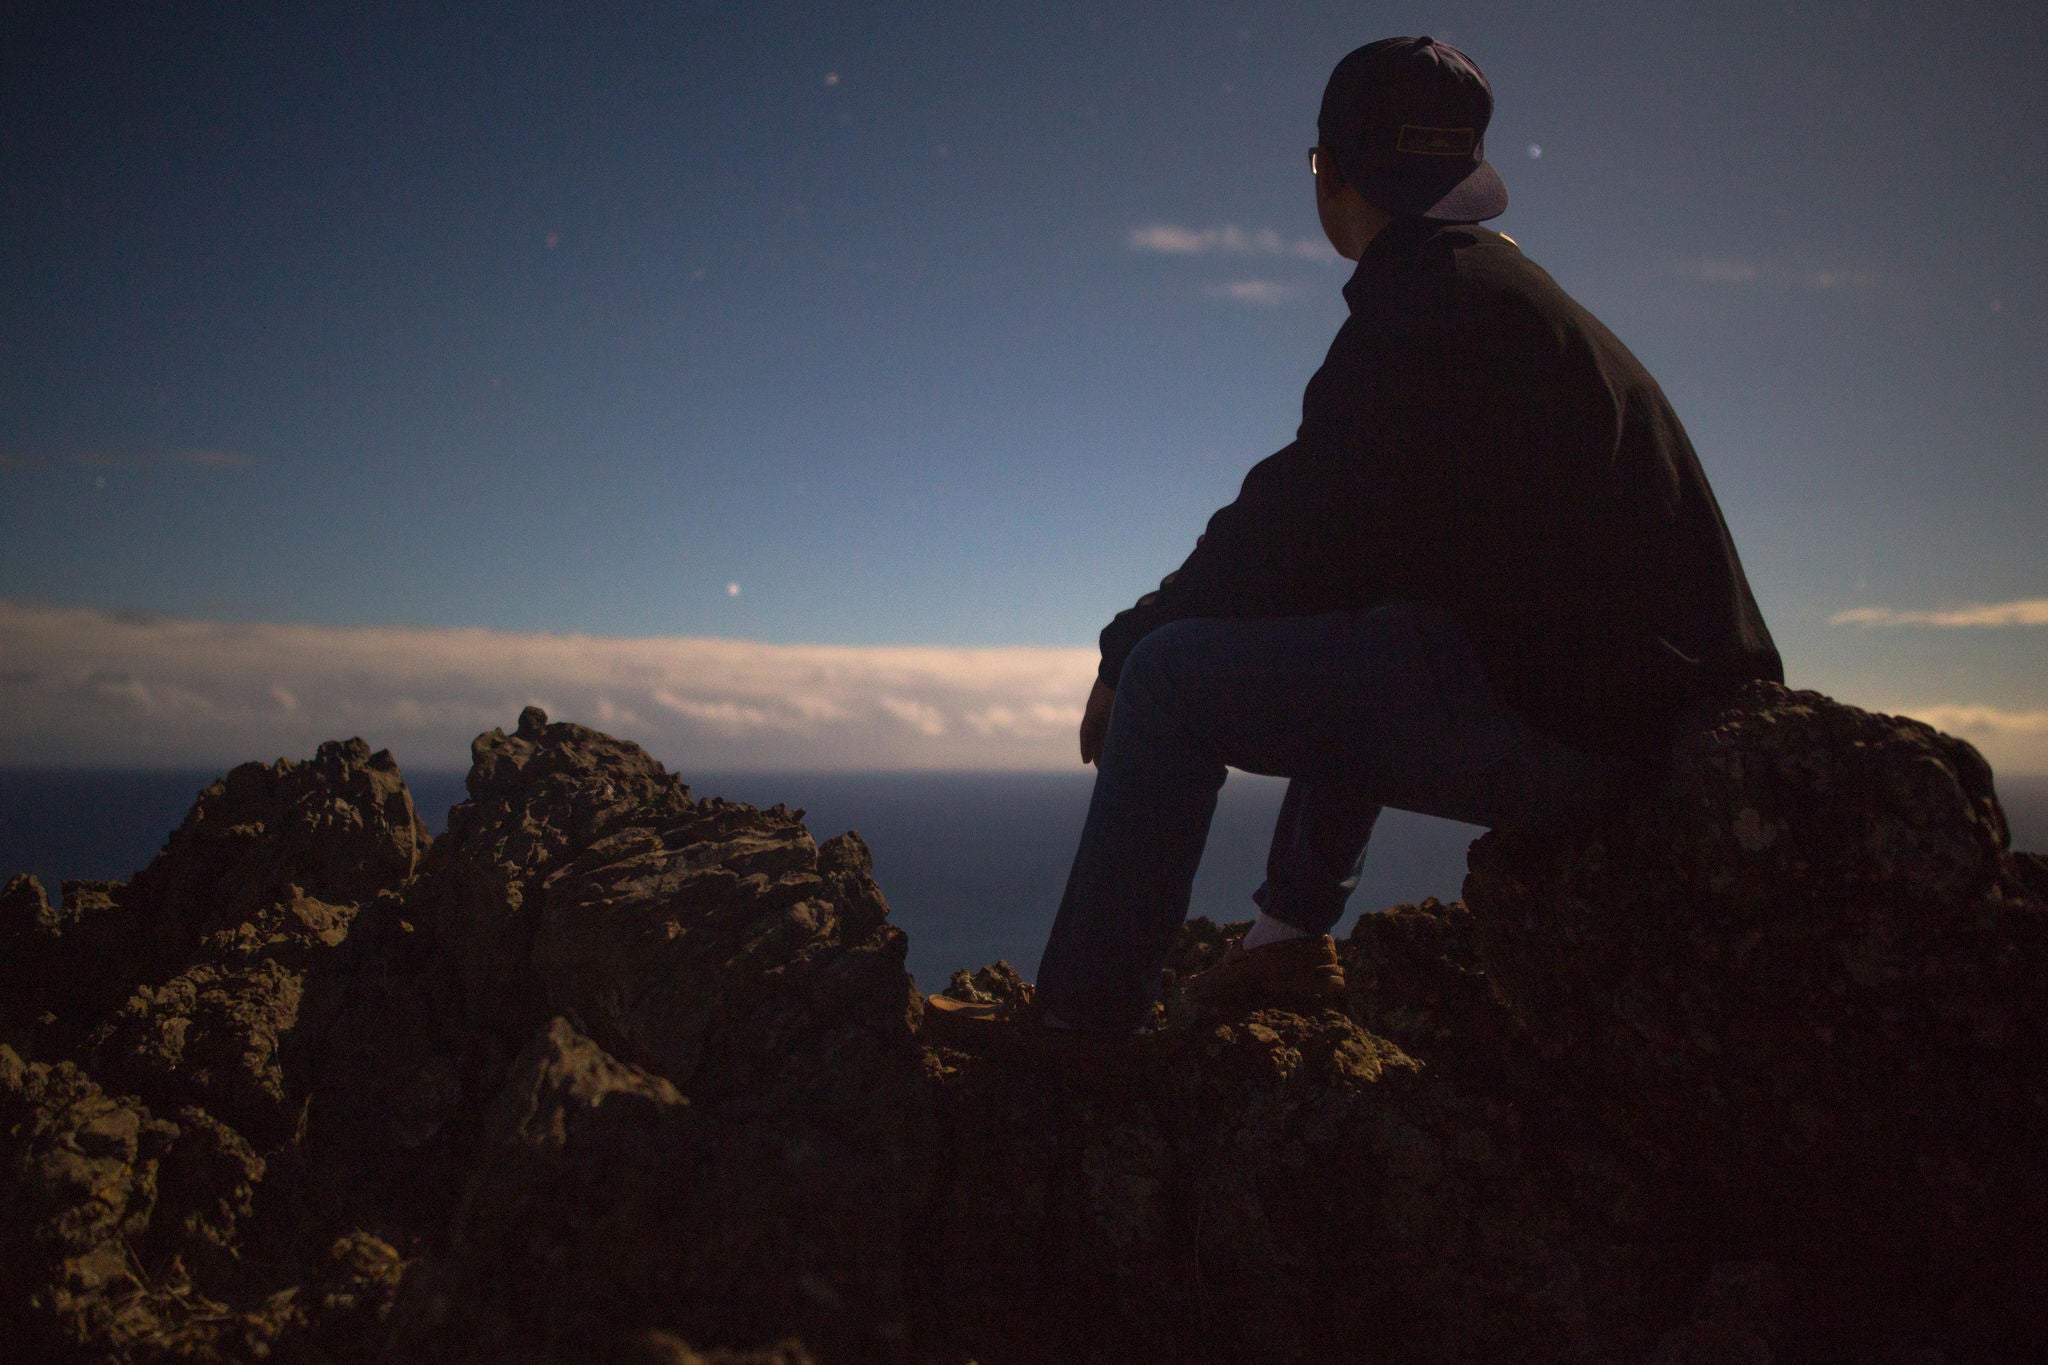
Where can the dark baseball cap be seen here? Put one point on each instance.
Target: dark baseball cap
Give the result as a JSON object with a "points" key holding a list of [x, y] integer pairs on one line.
{"points": [[1405, 120]]}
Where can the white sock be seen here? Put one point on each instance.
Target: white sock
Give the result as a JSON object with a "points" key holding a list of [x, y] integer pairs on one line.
{"points": [[1265, 929]]}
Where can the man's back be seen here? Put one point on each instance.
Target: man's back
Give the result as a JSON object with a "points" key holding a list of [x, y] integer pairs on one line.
{"points": [[1510, 460], [1482, 583], [1478, 441]]}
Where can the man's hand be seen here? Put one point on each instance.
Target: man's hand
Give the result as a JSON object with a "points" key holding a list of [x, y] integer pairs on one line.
{"points": [[1095, 721]]}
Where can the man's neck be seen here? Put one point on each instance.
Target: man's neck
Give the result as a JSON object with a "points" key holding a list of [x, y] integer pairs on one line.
{"points": [[1358, 222]]}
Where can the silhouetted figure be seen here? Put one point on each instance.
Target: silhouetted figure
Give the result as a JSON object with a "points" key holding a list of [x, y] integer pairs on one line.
{"points": [[1483, 582]]}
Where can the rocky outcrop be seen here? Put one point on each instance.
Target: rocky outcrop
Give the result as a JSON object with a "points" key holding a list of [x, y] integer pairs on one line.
{"points": [[1750, 1069], [335, 830], [1806, 979], [157, 1065], [765, 1183], [339, 828]]}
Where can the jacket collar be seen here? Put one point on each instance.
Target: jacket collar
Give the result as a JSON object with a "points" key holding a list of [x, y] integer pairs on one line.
{"points": [[1393, 243]]}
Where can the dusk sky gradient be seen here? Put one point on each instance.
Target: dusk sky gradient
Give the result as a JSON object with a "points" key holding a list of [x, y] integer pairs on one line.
{"points": [[369, 351]]}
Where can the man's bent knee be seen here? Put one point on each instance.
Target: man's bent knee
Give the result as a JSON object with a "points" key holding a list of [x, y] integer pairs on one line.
{"points": [[1159, 661]]}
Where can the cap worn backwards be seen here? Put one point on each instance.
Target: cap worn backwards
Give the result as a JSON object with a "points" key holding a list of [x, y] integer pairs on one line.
{"points": [[1405, 121]]}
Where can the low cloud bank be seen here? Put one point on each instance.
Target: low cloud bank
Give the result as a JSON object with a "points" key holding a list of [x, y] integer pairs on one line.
{"points": [[2031, 611], [94, 688], [1985, 720], [2013, 741]]}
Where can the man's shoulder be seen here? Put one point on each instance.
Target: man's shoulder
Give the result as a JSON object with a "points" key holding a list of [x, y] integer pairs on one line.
{"points": [[1491, 290], [1488, 270], [1466, 290], [1468, 296]]}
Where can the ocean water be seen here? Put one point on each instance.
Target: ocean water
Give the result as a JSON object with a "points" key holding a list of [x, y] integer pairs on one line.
{"points": [[971, 863]]}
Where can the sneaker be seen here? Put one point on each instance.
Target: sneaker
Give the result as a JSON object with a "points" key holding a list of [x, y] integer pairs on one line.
{"points": [[1300, 970], [946, 1017], [1012, 1029]]}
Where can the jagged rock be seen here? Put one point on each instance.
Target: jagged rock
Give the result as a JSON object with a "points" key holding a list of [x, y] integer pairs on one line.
{"points": [[338, 1314], [1263, 1187], [210, 1036], [1414, 976], [996, 984], [31, 934], [559, 1085], [714, 951], [80, 1181], [193, 986], [603, 1199], [206, 1185], [1805, 975], [361, 1273], [60, 965], [569, 1224], [380, 1067], [1750, 1070], [537, 798], [79, 1187], [717, 946], [217, 1034], [295, 932], [338, 828], [25, 916]]}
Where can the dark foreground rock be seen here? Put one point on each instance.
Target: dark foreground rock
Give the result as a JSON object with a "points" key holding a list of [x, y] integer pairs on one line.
{"points": [[1806, 979], [1755, 1069]]}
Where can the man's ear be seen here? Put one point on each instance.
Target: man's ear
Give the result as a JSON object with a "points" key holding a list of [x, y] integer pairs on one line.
{"points": [[1329, 180]]}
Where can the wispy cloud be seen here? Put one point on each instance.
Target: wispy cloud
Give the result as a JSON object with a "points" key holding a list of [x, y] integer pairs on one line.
{"points": [[1841, 279], [2031, 611], [1172, 239], [95, 687], [1734, 270], [212, 459], [1259, 293], [207, 458], [1727, 272]]}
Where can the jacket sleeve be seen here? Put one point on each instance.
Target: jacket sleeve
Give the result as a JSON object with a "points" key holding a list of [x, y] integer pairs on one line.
{"points": [[1278, 550]]}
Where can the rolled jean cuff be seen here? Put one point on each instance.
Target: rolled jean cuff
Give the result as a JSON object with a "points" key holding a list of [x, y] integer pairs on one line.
{"points": [[1311, 911]]}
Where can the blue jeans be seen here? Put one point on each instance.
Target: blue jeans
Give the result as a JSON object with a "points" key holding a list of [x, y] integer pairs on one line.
{"points": [[1361, 710]]}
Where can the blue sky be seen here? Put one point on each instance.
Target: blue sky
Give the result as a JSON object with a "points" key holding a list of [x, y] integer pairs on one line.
{"points": [[937, 326]]}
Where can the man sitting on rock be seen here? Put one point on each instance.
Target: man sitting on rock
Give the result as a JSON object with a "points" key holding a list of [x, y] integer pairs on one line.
{"points": [[1484, 582]]}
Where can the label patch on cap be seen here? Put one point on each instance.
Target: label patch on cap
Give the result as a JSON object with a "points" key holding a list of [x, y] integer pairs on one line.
{"points": [[1420, 141]]}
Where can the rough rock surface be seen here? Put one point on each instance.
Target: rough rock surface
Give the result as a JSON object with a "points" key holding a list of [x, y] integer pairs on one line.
{"points": [[1753, 1069], [1806, 978]]}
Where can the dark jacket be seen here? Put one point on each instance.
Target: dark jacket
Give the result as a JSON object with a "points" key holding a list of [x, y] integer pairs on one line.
{"points": [[1478, 440]]}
